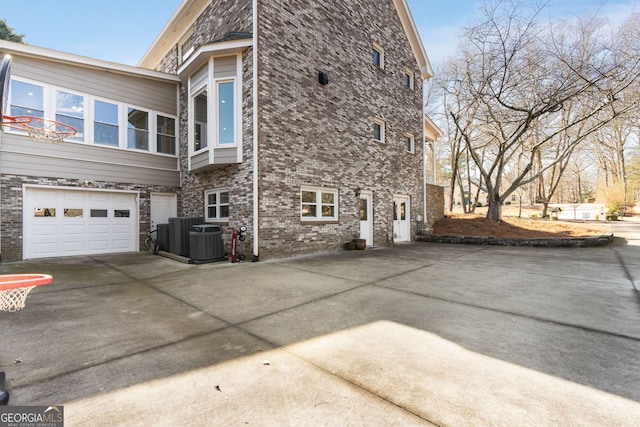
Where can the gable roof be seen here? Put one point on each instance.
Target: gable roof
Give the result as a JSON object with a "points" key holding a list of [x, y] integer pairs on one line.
{"points": [[414, 38], [189, 10]]}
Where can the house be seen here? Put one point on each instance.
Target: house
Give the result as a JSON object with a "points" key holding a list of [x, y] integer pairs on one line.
{"points": [[302, 122]]}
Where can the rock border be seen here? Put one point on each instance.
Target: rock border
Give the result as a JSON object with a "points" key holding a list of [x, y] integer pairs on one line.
{"points": [[542, 242]]}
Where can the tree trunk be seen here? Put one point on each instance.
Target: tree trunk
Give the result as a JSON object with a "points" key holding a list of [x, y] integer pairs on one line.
{"points": [[494, 213], [545, 207]]}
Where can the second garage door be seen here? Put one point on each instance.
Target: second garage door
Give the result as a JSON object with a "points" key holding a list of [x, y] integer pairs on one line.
{"points": [[64, 222]]}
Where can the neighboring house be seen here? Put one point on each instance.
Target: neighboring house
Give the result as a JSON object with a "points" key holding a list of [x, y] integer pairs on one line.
{"points": [[311, 133]]}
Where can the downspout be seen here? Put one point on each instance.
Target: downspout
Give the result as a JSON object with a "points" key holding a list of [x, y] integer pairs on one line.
{"points": [[424, 173], [256, 223]]}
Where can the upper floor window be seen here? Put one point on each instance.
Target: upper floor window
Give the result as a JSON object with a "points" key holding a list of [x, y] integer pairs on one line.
{"points": [[214, 108], [26, 99], [186, 47], [226, 113], [137, 129], [408, 79], [216, 205], [410, 143], [166, 135], [318, 204], [70, 110], [378, 130], [200, 117], [97, 121], [378, 56], [106, 130]]}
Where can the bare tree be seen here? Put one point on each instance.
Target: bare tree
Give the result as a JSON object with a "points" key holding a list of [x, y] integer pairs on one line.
{"points": [[526, 89]]}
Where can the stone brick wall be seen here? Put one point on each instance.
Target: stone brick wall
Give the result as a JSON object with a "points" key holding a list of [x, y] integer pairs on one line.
{"points": [[322, 135], [222, 17], [11, 211], [435, 204]]}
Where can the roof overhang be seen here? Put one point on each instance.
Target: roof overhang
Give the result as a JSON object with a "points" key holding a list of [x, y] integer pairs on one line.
{"points": [[176, 28], [431, 130], [19, 49], [426, 71], [204, 52]]}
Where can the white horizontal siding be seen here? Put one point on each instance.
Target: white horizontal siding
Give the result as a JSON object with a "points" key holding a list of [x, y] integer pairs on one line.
{"points": [[22, 156]]}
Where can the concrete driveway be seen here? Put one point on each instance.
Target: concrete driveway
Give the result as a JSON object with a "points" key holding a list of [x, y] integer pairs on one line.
{"points": [[417, 334]]}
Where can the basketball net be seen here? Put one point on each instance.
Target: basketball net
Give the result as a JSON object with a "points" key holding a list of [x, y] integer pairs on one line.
{"points": [[40, 129]]}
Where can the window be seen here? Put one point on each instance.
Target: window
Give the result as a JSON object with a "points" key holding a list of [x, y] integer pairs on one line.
{"points": [[40, 212], [186, 47], [70, 110], [200, 121], [378, 130], [97, 121], [410, 143], [166, 135], [26, 99], [99, 213], [226, 113], [73, 213], [216, 205], [378, 56], [137, 129], [408, 79], [106, 130], [121, 213], [318, 204]]}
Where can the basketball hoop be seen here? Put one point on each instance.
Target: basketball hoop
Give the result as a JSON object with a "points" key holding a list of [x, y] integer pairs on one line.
{"points": [[40, 129], [14, 289]]}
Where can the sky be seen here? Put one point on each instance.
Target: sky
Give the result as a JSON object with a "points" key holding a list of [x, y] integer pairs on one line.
{"points": [[122, 30]]}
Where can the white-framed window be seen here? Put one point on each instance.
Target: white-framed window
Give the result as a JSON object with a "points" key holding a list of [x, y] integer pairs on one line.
{"points": [[98, 121], [410, 143], [27, 98], [318, 204], [216, 205], [106, 123], [378, 130], [186, 47], [225, 93], [137, 129], [70, 109], [409, 78], [165, 134], [200, 108], [377, 56]]}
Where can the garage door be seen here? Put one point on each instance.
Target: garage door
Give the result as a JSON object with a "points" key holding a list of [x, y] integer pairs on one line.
{"points": [[66, 222]]}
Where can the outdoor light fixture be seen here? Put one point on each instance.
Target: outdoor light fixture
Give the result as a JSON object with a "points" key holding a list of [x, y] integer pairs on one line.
{"points": [[357, 190]]}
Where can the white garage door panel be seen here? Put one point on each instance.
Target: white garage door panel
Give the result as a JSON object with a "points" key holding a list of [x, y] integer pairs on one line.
{"points": [[61, 222]]}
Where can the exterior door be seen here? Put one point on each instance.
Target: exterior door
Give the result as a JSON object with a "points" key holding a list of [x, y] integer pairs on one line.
{"points": [[163, 207], [366, 217], [401, 219]]}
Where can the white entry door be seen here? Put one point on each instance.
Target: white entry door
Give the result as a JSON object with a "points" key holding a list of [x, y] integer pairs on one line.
{"points": [[63, 222], [163, 207], [366, 217], [401, 219]]}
